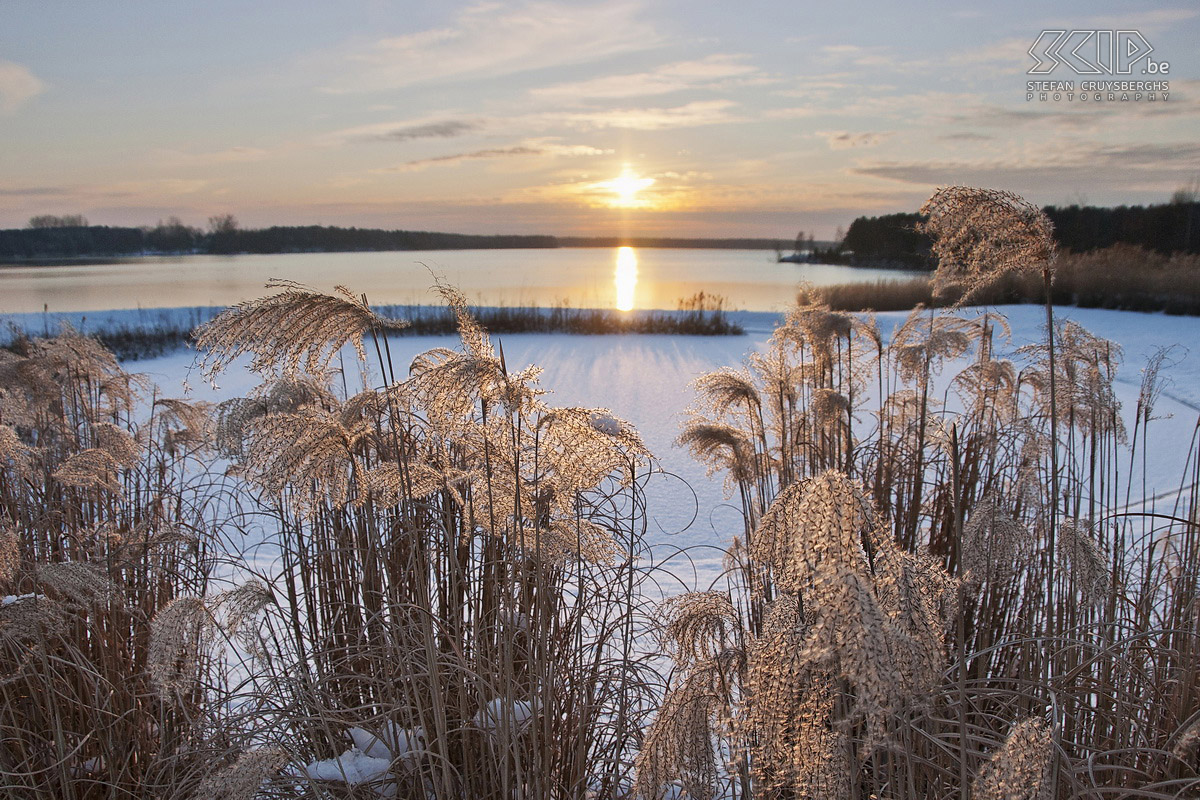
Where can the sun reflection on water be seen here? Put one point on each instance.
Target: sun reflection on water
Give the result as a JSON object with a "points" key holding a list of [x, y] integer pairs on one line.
{"points": [[626, 277]]}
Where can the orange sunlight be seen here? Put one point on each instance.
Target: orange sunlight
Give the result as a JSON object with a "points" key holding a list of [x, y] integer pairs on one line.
{"points": [[625, 188], [626, 277]]}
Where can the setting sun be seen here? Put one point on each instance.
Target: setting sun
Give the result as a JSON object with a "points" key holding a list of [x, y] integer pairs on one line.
{"points": [[625, 187]]}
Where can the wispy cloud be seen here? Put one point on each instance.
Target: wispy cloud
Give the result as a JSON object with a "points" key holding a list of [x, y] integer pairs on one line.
{"points": [[1050, 171], [436, 127], [33, 191], [17, 85], [1144, 20], [230, 155], [690, 115], [533, 147], [432, 130], [845, 140], [491, 40], [714, 72]]}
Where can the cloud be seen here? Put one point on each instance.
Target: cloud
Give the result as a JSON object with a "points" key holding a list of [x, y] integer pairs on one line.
{"points": [[491, 40], [965, 136], [1144, 20], [845, 140], [230, 155], [532, 147], [691, 115], [713, 72], [432, 130], [34, 191], [1183, 101], [159, 187], [428, 128], [17, 84], [1052, 171]]}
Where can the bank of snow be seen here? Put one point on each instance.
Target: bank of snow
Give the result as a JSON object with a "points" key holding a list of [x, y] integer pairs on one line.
{"points": [[646, 379]]}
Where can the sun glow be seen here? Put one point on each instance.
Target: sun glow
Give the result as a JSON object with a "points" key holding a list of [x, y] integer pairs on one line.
{"points": [[626, 277], [625, 187]]}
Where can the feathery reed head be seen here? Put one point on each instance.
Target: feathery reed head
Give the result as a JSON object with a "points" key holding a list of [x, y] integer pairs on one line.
{"points": [[980, 234], [294, 329], [1020, 768]]}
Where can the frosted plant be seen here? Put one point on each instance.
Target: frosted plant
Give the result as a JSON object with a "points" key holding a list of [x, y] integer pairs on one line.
{"points": [[15, 456], [923, 343], [829, 407], [698, 625], [90, 469], [1078, 548], [179, 634], [243, 779], [117, 443], [991, 542], [818, 328], [878, 627], [293, 330], [678, 747], [241, 608], [720, 447], [78, 582], [184, 425], [284, 395], [786, 716], [1020, 768], [728, 389], [10, 550], [1186, 742], [981, 234]]}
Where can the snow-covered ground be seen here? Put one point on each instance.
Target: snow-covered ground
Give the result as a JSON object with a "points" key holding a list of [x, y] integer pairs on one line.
{"points": [[646, 380]]}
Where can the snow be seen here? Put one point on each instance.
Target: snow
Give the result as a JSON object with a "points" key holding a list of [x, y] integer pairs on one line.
{"points": [[645, 379], [497, 712], [351, 767], [606, 424], [9, 599], [392, 742], [372, 759]]}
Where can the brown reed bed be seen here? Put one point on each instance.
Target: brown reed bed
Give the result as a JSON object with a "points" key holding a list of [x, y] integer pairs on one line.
{"points": [[1123, 277]]}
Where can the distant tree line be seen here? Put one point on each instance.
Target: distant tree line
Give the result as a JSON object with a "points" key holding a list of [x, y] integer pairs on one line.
{"points": [[71, 237], [893, 241]]}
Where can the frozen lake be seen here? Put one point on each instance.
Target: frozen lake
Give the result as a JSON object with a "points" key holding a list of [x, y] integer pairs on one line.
{"points": [[608, 277]]}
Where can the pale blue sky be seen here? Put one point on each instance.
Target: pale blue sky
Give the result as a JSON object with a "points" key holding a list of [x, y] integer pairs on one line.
{"points": [[752, 118]]}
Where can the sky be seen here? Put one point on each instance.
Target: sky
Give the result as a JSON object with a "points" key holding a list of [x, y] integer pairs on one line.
{"points": [[627, 117]]}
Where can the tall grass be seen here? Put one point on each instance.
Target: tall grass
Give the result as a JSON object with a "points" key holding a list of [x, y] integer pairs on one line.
{"points": [[457, 570], [101, 530], [425, 586], [943, 586]]}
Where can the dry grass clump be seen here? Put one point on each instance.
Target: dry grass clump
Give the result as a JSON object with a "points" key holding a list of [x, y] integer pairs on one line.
{"points": [[457, 564], [1021, 768], [916, 571], [91, 509], [443, 597]]}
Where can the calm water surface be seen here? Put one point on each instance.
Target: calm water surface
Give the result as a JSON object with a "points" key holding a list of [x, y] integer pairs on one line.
{"points": [[625, 278]]}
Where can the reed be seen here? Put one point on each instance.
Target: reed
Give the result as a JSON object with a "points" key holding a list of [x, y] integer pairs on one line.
{"points": [[942, 586]]}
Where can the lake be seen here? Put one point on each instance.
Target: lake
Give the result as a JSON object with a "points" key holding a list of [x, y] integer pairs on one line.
{"points": [[625, 278]]}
